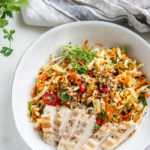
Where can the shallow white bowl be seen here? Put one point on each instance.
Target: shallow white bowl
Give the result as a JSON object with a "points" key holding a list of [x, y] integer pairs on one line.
{"points": [[38, 53]]}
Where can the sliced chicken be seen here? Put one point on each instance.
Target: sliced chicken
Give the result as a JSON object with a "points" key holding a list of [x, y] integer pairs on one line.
{"points": [[70, 128], [61, 120], [99, 137], [122, 133], [82, 132], [47, 121]]}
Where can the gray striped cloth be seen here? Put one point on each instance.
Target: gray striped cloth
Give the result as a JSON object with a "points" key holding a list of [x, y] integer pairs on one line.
{"points": [[55, 12]]}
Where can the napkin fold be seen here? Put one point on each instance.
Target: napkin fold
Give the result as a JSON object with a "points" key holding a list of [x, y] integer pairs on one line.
{"points": [[55, 12]]}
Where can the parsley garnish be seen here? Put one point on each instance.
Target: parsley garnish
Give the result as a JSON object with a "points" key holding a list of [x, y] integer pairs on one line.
{"points": [[79, 58], [113, 60], [43, 105], [102, 115], [142, 98], [7, 7], [125, 49], [64, 96], [120, 89], [96, 126], [29, 107]]}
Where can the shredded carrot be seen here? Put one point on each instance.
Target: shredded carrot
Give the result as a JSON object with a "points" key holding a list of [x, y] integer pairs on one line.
{"points": [[136, 118], [114, 53], [85, 44], [123, 59], [99, 44], [141, 83], [146, 95], [121, 71], [129, 114], [143, 73], [44, 76], [39, 84]]}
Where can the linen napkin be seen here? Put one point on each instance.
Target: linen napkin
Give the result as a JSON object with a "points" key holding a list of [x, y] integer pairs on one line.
{"points": [[55, 12]]}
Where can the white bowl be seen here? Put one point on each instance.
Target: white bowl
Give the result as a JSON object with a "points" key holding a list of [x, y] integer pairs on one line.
{"points": [[38, 53]]}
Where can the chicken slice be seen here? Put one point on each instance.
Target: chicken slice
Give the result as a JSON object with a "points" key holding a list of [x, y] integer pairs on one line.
{"points": [[123, 131], [61, 120], [99, 137], [70, 128], [47, 121], [82, 132]]}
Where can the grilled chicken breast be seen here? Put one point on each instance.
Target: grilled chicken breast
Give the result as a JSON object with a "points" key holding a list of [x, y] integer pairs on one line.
{"points": [[47, 121], [99, 137], [61, 120], [121, 134], [83, 131], [70, 128]]}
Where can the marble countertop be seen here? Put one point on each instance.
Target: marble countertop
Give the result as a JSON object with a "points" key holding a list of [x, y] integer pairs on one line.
{"points": [[24, 36]]}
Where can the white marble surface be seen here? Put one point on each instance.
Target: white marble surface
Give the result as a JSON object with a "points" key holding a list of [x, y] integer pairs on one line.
{"points": [[24, 36]]}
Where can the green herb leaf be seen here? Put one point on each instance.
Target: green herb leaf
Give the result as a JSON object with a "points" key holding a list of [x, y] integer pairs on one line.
{"points": [[64, 96], [29, 107], [43, 105], [3, 22], [96, 127], [113, 60], [50, 72], [102, 115], [6, 51], [125, 49], [147, 82], [120, 89], [142, 98]]}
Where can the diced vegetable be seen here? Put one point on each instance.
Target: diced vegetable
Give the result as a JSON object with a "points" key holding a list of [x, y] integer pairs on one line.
{"points": [[50, 98], [99, 121], [82, 88]]}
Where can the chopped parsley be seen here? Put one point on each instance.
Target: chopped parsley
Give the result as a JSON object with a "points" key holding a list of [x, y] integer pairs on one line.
{"points": [[96, 127], [143, 100], [113, 60], [102, 115], [50, 72], [29, 107], [120, 89], [64, 96], [147, 82], [124, 49], [43, 105]]}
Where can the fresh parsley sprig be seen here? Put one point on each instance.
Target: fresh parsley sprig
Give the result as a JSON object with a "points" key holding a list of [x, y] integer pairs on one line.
{"points": [[7, 7]]}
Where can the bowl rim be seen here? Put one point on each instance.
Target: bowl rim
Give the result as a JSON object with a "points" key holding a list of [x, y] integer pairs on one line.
{"points": [[108, 24]]}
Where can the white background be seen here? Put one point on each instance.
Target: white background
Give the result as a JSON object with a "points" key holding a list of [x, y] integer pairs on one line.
{"points": [[24, 36]]}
